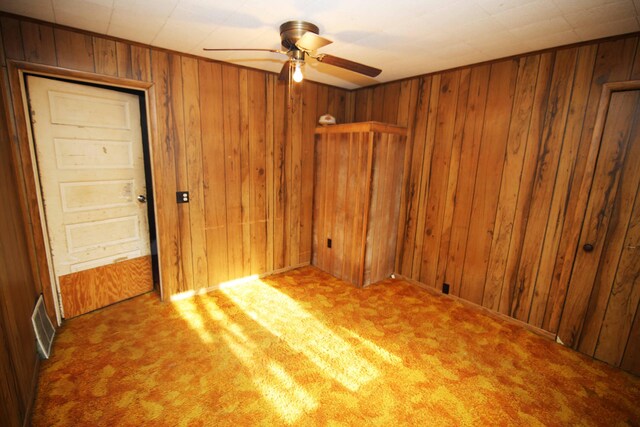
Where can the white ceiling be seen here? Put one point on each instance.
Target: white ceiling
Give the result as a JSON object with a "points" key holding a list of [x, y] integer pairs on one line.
{"points": [[403, 37]]}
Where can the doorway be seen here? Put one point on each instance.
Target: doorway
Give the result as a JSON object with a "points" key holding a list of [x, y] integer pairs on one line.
{"points": [[92, 162], [601, 313]]}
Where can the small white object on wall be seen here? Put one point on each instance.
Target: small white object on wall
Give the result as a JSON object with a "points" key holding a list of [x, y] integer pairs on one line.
{"points": [[327, 119]]}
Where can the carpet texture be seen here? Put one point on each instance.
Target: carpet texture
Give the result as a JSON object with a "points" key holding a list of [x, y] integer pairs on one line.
{"points": [[303, 348]]}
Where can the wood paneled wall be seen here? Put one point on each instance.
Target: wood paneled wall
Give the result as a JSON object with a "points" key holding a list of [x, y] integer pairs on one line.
{"points": [[18, 359], [233, 137], [498, 154]]}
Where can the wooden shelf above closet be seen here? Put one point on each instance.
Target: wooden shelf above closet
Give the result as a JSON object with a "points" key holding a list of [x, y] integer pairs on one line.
{"points": [[357, 187]]}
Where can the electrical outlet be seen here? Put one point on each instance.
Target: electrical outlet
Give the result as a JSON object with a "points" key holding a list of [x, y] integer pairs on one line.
{"points": [[182, 197], [445, 288], [329, 243]]}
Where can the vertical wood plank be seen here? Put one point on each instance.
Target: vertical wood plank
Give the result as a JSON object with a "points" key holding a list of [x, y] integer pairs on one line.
{"points": [[494, 140], [438, 182], [165, 177], [454, 169], [213, 170], [550, 148], [631, 358], [104, 56], [425, 180], [280, 118], [12, 38], [178, 131], [74, 50], [309, 117], [257, 91], [269, 170], [245, 172], [123, 57], [561, 193], [510, 186], [414, 180], [295, 168], [233, 177], [406, 116], [194, 172], [140, 63], [624, 295], [38, 41], [470, 150], [527, 174]]}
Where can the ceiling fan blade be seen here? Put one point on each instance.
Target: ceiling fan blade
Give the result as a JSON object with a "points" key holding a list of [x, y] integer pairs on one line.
{"points": [[311, 41], [349, 65], [245, 50], [284, 73]]}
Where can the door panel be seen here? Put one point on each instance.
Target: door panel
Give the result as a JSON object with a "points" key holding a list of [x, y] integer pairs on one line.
{"points": [[603, 294], [88, 144]]}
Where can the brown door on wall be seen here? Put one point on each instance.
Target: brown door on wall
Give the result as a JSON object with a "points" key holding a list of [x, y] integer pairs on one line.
{"points": [[88, 147], [601, 316]]}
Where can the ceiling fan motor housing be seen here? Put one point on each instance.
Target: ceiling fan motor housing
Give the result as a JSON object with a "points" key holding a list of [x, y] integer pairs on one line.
{"points": [[291, 31]]}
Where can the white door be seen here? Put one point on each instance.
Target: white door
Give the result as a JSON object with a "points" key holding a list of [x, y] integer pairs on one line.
{"points": [[88, 144]]}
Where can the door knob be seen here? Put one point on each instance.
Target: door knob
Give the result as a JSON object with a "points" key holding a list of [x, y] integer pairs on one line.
{"points": [[142, 198], [588, 247]]}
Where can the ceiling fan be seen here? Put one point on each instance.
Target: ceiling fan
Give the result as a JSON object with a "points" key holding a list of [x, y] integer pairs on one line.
{"points": [[300, 39]]}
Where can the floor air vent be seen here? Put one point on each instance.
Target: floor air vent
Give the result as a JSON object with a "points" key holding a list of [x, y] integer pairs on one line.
{"points": [[43, 328]]}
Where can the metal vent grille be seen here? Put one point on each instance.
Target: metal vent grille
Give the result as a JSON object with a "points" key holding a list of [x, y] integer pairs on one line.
{"points": [[43, 328]]}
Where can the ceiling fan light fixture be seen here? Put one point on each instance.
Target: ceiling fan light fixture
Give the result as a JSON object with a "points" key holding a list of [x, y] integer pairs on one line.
{"points": [[297, 73]]}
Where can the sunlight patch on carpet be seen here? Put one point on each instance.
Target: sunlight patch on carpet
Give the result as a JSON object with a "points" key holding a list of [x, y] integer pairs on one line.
{"points": [[285, 319]]}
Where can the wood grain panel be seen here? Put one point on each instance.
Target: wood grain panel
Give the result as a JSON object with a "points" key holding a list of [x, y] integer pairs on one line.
{"points": [[554, 246], [449, 202], [485, 199], [257, 90], [441, 157], [508, 213], [17, 293], [39, 44], [88, 290], [543, 185], [74, 50], [358, 178], [123, 55], [164, 166], [615, 138], [613, 62], [213, 173], [622, 304], [509, 188], [469, 154], [105, 56], [194, 170], [196, 143], [600, 301], [12, 38]]}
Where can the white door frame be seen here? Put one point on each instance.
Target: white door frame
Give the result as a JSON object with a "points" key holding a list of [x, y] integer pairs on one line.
{"points": [[25, 155]]}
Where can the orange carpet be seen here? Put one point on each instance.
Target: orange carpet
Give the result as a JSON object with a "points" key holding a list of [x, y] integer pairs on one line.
{"points": [[303, 348]]}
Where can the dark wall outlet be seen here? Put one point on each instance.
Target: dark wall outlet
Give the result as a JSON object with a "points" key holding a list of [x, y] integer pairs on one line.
{"points": [[182, 197], [329, 243], [445, 288]]}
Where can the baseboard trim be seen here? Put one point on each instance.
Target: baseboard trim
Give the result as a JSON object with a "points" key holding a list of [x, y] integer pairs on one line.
{"points": [[218, 286], [485, 310], [34, 391]]}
